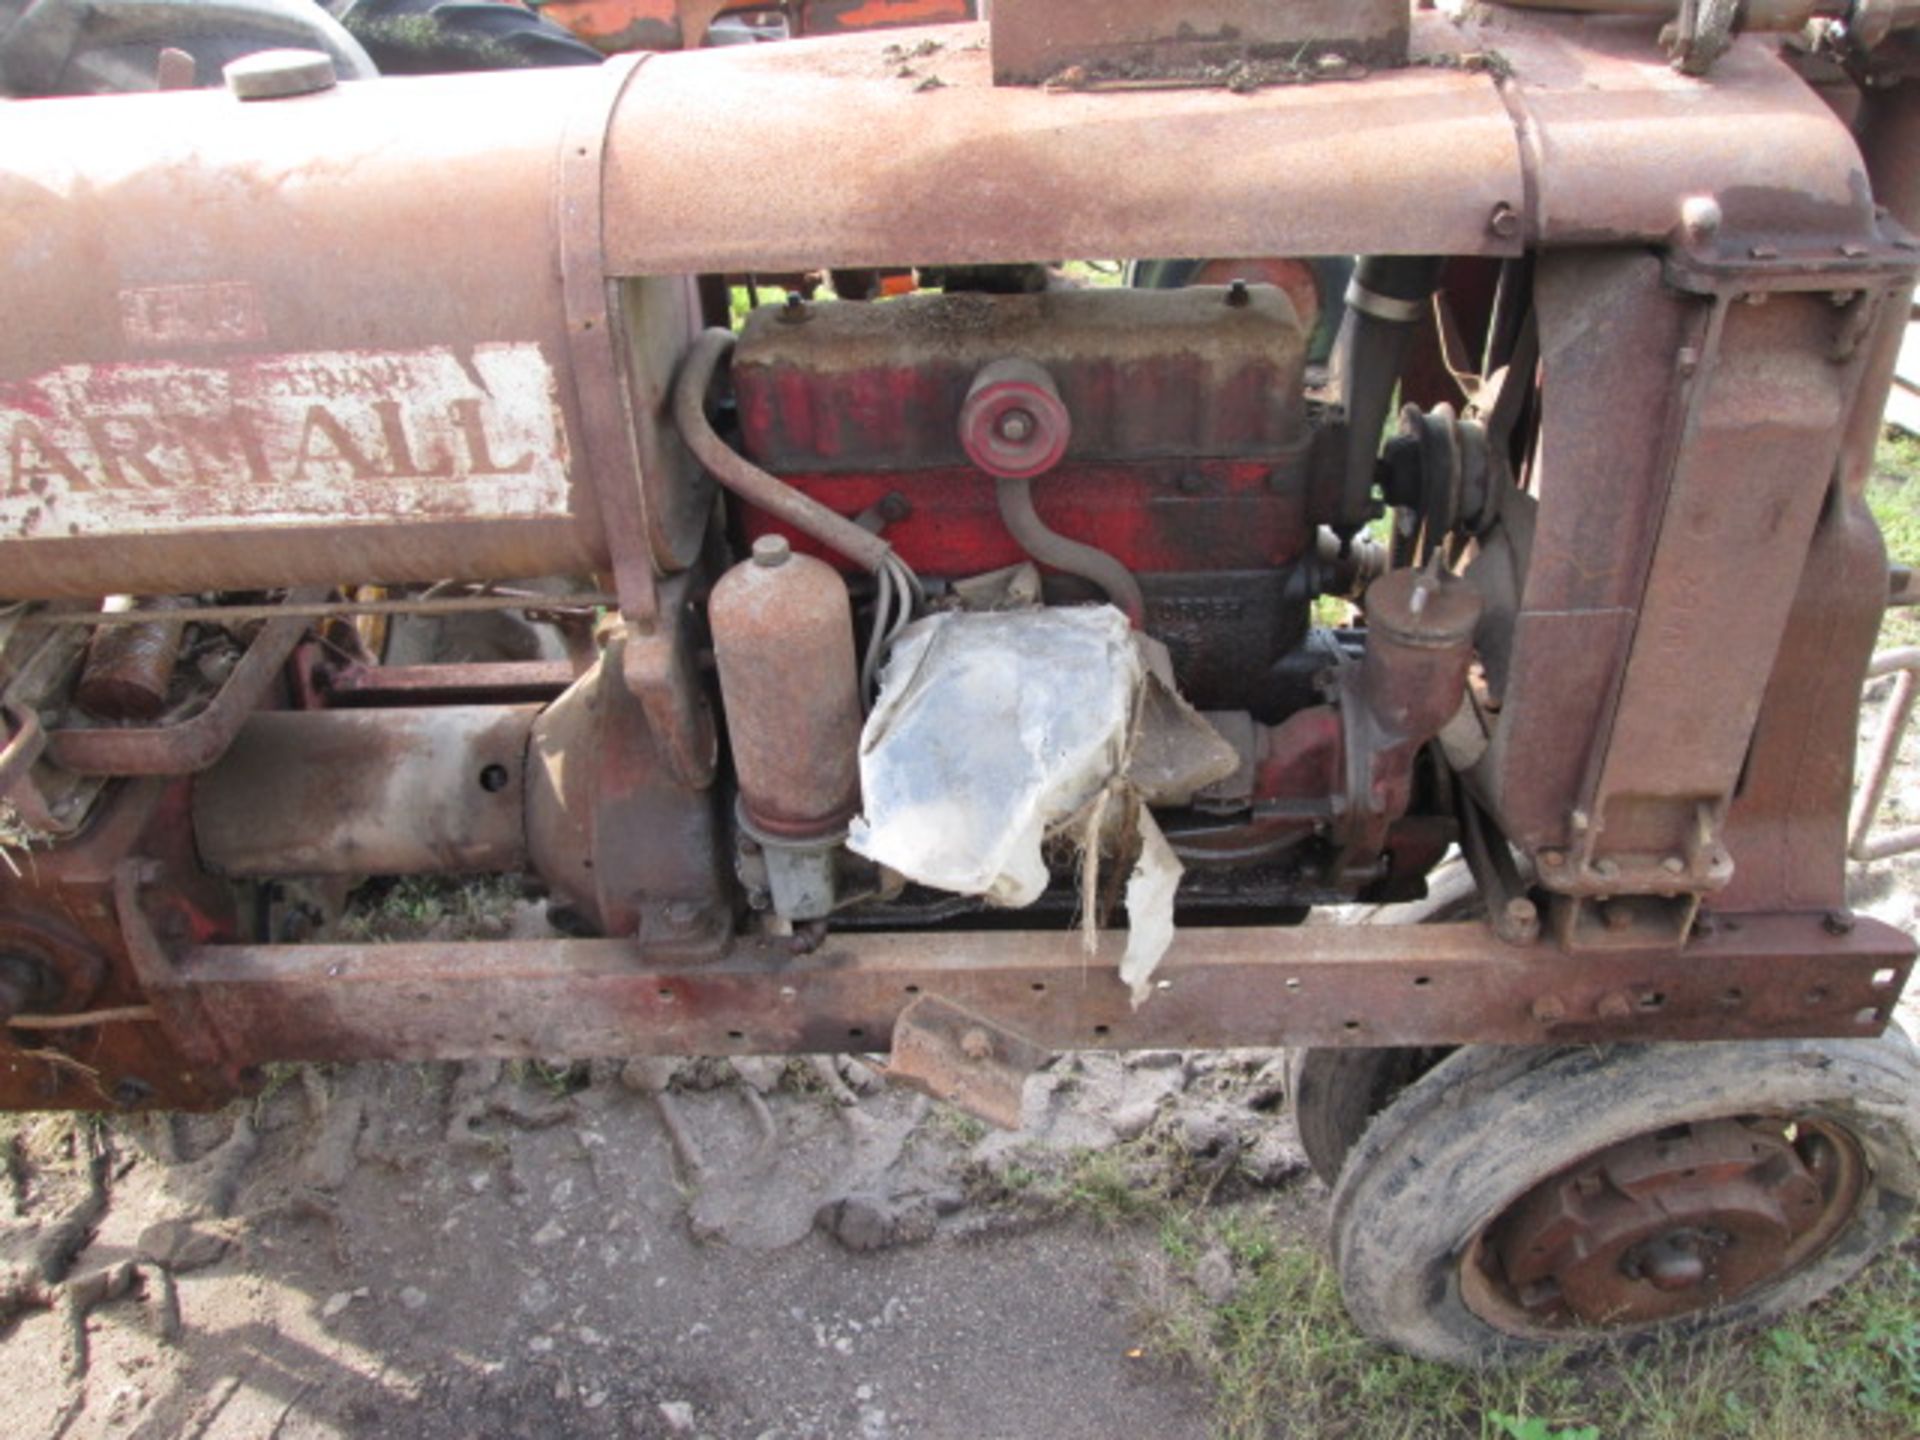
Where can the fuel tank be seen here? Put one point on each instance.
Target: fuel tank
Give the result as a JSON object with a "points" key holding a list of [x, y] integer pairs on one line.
{"points": [[311, 339], [419, 329]]}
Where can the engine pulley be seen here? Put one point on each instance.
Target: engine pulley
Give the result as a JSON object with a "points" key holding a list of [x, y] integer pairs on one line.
{"points": [[1014, 424]]}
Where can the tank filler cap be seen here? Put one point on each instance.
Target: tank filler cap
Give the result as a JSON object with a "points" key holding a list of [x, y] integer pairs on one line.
{"points": [[771, 550], [279, 74]]}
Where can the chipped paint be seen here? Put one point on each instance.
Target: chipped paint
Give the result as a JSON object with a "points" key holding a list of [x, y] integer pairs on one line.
{"points": [[326, 438]]}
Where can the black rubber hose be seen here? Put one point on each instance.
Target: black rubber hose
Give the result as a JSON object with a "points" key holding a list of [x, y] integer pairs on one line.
{"points": [[1384, 303]]}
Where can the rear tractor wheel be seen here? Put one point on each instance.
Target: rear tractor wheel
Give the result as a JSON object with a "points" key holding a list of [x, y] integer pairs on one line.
{"points": [[1336, 1093], [1510, 1200]]}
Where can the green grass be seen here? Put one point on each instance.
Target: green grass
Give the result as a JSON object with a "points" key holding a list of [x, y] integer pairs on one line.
{"points": [[1281, 1359], [1894, 496], [446, 907]]}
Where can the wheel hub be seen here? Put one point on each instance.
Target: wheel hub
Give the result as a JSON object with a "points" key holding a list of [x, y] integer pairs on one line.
{"points": [[1671, 1222]]}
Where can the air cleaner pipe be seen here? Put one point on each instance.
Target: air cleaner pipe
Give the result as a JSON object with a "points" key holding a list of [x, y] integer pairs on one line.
{"points": [[740, 475]]}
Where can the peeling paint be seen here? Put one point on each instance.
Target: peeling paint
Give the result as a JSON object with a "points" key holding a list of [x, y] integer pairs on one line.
{"points": [[324, 438]]}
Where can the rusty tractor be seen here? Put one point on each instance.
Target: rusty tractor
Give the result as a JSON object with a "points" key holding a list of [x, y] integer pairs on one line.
{"points": [[1473, 464]]}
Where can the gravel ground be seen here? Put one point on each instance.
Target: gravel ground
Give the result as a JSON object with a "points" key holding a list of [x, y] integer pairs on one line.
{"points": [[465, 1251]]}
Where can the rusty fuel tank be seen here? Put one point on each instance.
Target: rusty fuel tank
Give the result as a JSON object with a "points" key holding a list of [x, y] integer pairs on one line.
{"points": [[783, 636], [368, 335]]}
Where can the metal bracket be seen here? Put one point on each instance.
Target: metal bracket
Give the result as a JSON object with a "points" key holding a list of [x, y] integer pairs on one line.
{"points": [[1724, 264], [964, 1058]]}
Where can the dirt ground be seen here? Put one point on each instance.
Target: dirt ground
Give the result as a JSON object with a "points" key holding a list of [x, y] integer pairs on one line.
{"points": [[759, 1249], [763, 1251]]}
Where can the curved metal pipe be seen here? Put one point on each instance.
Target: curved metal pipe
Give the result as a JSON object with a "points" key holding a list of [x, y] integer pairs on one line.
{"points": [[192, 745], [1069, 557], [740, 475]]}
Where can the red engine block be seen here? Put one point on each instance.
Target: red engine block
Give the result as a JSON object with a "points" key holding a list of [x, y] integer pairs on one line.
{"points": [[1190, 442]]}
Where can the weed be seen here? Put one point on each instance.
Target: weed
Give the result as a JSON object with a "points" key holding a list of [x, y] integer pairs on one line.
{"points": [[1109, 1187], [1894, 497], [1281, 1358], [1534, 1428], [1019, 1178], [432, 907], [963, 1129]]}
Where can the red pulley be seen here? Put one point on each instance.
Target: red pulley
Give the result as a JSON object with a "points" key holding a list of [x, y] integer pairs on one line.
{"points": [[1014, 425]]}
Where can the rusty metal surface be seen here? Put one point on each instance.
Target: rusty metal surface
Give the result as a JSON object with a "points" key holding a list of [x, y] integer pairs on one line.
{"points": [[1767, 403], [506, 682], [626, 848], [129, 668], [1332, 985], [790, 684], [757, 487], [66, 897], [973, 173], [496, 599], [193, 744], [963, 1058], [1646, 590], [1032, 40], [159, 309], [223, 412], [1670, 1224], [1615, 139], [1610, 333], [369, 792], [1768, 396], [620, 447], [1200, 372], [1788, 825]]}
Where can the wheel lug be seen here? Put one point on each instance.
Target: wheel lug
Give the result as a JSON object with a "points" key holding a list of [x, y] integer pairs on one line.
{"points": [[1668, 1263]]}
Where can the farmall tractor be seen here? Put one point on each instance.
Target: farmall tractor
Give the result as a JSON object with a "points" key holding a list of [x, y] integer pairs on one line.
{"points": [[1008, 667]]}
